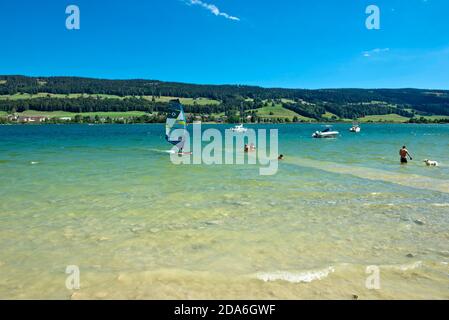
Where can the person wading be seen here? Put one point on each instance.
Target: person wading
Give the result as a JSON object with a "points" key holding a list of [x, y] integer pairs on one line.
{"points": [[404, 154]]}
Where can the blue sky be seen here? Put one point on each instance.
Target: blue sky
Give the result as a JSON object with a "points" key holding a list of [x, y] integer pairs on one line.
{"points": [[284, 43]]}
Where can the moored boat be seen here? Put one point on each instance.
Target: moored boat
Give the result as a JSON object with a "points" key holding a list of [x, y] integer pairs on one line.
{"points": [[239, 129], [326, 133]]}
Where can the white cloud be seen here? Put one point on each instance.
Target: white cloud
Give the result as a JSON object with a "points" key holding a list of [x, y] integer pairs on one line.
{"points": [[375, 52], [212, 8]]}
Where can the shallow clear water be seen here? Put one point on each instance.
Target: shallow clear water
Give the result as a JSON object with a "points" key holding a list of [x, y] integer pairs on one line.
{"points": [[107, 199]]}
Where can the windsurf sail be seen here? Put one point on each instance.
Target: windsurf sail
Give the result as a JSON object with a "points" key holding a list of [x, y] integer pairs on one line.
{"points": [[175, 126]]}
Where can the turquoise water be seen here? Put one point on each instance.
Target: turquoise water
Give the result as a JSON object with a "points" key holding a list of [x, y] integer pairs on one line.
{"points": [[107, 199]]}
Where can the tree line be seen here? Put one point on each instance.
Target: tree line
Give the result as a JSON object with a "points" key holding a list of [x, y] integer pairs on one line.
{"points": [[347, 111], [346, 103]]}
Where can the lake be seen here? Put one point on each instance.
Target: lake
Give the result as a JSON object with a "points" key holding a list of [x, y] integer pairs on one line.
{"points": [[107, 199]]}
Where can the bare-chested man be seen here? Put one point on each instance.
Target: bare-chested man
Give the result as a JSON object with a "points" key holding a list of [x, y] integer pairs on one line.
{"points": [[404, 153]]}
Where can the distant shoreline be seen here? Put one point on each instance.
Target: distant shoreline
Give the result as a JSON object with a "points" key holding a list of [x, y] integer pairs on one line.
{"points": [[139, 117], [220, 124]]}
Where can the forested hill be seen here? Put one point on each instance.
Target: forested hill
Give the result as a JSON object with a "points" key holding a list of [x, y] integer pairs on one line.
{"points": [[127, 95]]}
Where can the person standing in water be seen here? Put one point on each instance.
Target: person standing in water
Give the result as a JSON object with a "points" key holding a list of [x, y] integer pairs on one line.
{"points": [[252, 147], [404, 154]]}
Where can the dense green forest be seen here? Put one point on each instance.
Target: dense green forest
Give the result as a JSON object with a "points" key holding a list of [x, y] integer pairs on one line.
{"points": [[142, 95]]}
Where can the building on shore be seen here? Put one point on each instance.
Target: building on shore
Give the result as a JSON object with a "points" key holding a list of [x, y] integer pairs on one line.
{"points": [[31, 119], [12, 117]]}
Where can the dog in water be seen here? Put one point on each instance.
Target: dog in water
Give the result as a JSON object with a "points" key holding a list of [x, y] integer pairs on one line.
{"points": [[431, 163]]}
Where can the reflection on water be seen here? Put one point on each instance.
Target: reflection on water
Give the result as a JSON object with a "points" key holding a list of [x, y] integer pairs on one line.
{"points": [[106, 198]]}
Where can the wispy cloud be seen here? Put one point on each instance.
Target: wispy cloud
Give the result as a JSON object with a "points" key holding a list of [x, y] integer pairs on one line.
{"points": [[212, 8], [375, 52]]}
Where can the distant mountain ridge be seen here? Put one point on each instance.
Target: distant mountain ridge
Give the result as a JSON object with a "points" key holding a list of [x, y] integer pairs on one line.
{"points": [[140, 95]]}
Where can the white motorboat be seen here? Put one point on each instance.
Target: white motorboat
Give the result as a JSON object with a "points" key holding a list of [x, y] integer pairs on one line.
{"points": [[239, 129], [326, 133]]}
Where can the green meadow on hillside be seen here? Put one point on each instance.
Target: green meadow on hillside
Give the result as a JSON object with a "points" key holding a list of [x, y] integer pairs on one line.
{"points": [[60, 114], [384, 118], [436, 117], [330, 116], [277, 111], [185, 101]]}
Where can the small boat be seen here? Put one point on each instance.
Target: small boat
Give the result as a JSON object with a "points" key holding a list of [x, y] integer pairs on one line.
{"points": [[326, 133], [239, 129], [355, 128]]}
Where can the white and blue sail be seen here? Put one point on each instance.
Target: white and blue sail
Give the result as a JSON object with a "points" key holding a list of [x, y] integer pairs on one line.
{"points": [[175, 126]]}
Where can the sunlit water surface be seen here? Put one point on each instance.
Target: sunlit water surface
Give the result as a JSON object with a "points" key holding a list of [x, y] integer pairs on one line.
{"points": [[107, 198]]}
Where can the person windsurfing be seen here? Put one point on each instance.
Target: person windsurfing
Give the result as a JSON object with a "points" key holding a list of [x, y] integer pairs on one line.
{"points": [[176, 120]]}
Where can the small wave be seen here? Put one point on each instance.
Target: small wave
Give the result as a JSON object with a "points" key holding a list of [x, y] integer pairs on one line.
{"points": [[412, 181], [406, 267], [411, 266], [440, 204], [161, 151], [34, 162], [304, 277]]}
